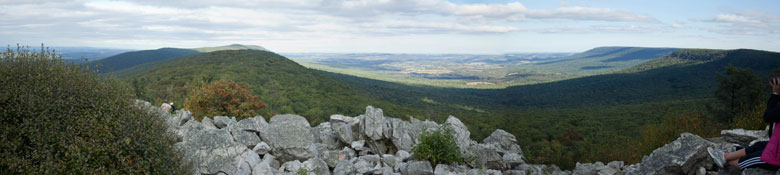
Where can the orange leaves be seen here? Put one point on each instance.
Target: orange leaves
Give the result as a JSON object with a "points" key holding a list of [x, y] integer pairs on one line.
{"points": [[224, 97]]}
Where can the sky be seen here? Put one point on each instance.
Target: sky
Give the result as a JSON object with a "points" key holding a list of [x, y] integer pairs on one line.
{"points": [[388, 26]]}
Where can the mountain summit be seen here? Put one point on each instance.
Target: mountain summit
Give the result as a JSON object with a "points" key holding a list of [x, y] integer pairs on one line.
{"points": [[230, 47]]}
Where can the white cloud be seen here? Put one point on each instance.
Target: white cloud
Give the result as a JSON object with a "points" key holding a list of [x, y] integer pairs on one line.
{"points": [[745, 22]]}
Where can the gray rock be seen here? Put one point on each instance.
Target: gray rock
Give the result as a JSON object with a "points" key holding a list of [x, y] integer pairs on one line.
{"points": [[402, 137], [290, 138], [344, 167], [758, 171], [683, 156], [743, 137], [505, 141], [331, 157], [346, 128], [325, 135], [363, 167], [374, 123], [358, 145], [208, 123], [487, 156], [213, 150], [403, 155], [442, 169], [264, 167], [317, 166], [188, 129], [419, 168], [401, 167], [262, 148], [483, 172], [246, 131], [247, 161], [387, 128], [418, 127], [223, 121], [390, 160], [598, 168], [291, 166], [513, 159], [183, 116], [460, 132]]}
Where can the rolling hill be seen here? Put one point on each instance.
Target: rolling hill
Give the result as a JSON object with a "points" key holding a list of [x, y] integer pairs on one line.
{"points": [[130, 59], [230, 47], [151, 57], [283, 85]]}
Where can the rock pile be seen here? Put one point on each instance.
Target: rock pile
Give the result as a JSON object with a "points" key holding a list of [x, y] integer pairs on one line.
{"points": [[375, 144]]}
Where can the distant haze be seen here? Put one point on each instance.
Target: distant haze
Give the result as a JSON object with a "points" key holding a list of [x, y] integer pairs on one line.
{"points": [[387, 26]]}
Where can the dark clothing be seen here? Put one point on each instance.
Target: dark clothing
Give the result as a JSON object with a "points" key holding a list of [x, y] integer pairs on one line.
{"points": [[772, 112], [752, 157]]}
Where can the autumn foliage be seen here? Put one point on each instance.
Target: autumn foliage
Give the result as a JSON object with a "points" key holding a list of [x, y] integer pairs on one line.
{"points": [[224, 98]]}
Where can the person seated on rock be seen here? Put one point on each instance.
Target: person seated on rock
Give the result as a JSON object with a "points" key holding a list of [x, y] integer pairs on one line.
{"points": [[751, 156], [166, 107]]}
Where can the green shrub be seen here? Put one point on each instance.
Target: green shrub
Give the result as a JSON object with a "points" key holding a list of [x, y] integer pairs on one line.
{"points": [[438, 146], [59, 118]]}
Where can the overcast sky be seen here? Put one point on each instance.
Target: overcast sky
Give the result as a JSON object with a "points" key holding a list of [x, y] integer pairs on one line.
{"points": [[405, 26]]}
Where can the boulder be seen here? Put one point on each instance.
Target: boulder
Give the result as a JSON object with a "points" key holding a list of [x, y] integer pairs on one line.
{"points": [[263, 168], [246, 131], [460, 132], [358, 145], [483, 172], [390, 160], [208, 123], [346, 128], [506, 142], [402, 137], [223, 121], [598, 168], [291, 166], [403, 155], [262, 148], [344, 167], [317, 166], [187, 129], [362, 166], [290, 138], [325, 135], [486, 156], [246, 162], [743, 137], [513, 159], [183, 116], [683, 156], [374, 123], [442, 169], [213, 150], [758, 171], [419, 168]]}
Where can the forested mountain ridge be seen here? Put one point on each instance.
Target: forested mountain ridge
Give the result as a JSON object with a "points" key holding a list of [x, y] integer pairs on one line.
{"points": [[152, 57], [283, 85], [130, 59]]}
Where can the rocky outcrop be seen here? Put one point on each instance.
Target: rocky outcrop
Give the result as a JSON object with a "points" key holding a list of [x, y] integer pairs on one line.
{"points": [[375, 144]]}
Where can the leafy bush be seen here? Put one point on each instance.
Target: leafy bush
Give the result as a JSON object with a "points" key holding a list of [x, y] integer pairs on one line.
{"points": [[752, 119], [438, 146], [59, 118], [224, 98]]}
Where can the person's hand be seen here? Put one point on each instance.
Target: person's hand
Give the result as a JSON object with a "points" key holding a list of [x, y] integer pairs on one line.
{"points": [[775, 83]]}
